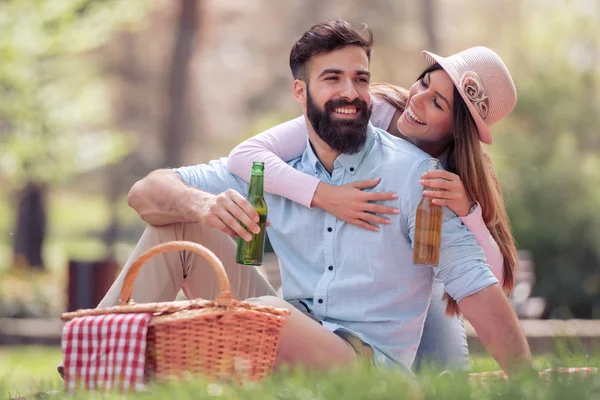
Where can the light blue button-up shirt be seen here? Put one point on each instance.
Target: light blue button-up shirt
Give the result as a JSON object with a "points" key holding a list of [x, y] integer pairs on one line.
{"points": [[352, 278]]}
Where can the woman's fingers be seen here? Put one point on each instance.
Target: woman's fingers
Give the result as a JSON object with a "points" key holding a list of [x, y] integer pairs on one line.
{"points": [[439, 174], [441, 202], [379, 209], [441, 194], [366, 184], [352, 204], [377, 196], [369, 222], [365, 225], [374, 219], [437, 183]]}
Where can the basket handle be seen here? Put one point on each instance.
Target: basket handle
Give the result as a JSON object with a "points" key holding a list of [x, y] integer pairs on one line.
{"points": [[224, 297]]}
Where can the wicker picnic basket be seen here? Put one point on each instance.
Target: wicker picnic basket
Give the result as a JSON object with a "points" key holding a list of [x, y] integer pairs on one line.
{"points": [[224, 338]]}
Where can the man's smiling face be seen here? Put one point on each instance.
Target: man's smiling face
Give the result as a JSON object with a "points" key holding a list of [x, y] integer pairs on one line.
{"points": [[338, 97]]}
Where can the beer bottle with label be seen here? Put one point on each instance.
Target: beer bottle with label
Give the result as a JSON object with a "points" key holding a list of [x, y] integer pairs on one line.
{"points": [[251, 253], [428, 228]]}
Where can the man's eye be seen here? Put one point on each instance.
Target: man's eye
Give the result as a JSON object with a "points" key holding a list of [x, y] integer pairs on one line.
{"points": [[363, 80], [331, 78]]}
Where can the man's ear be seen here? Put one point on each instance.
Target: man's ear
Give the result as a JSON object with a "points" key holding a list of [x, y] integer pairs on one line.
{"points": [[300, 91]]}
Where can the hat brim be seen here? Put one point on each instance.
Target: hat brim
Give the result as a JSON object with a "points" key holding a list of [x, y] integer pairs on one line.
{"points": [[485, 135]]}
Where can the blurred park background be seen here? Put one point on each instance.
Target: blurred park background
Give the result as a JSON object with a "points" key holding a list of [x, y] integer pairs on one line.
{"points": [[94, 94]]}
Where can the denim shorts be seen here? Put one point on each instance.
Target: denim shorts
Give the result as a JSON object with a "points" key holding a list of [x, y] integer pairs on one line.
{"points": [[362, 350]]}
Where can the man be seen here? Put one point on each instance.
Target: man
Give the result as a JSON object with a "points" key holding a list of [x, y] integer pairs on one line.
{"points": [[352, 292]]}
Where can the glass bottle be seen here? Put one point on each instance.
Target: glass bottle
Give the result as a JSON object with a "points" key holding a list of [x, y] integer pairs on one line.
{"points": [[251, 253], [428, 228]]}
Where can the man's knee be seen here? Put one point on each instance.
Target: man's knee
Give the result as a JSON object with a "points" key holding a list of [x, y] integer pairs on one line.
{"points": [[272, 301], [161, 233], [188, 231]]}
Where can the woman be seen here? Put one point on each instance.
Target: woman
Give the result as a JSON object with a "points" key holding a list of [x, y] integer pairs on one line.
{"points": [[446, 113]]}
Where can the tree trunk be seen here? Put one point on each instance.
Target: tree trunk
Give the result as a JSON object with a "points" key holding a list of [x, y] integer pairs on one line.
{"points": [[429, 24], [113, 192], [176, 131], [30, 229]]}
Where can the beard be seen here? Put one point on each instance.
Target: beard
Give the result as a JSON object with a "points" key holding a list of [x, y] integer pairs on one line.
{"points": [[345, 136]]}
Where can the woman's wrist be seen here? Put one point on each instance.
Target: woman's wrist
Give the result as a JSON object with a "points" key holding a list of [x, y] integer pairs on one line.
{"points": [[473, 214], [318, 197], [472, 209]]}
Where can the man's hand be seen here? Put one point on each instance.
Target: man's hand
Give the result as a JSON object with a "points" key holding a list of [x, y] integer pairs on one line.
{"points": [[498, 328], [225, 211]]}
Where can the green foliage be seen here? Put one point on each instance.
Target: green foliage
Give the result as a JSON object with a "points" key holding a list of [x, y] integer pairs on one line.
{"points": [[548, 155], [53, 106]]}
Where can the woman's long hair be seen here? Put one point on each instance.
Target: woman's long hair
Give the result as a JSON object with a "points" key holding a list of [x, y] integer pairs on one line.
{"points": [[468, 159], [395, 95]]}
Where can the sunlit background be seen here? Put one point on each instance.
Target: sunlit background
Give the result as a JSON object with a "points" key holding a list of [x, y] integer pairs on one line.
{"points": [[97, 93]]}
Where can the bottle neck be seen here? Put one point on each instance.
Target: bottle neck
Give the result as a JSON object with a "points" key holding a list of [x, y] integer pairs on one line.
{"points": [[256, 186], [434, 165]]}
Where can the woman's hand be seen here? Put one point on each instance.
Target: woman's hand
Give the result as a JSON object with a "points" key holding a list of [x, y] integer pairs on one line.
{"points": [[349, 203], [451, 191]]}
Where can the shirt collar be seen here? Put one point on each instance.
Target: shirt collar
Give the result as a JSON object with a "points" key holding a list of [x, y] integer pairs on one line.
{"points": [[311, 158], [349, 162]]}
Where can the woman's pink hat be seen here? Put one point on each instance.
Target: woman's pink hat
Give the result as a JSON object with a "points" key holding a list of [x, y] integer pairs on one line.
{"points": [[484, 83]]}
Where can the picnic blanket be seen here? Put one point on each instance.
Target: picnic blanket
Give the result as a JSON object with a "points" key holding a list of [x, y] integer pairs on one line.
{"points": [[105, 352], [546, 374]]}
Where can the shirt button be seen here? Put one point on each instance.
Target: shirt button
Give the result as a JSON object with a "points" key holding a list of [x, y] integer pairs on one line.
{"points": [[329, 229], [320, 301], [330, 268], [351, 169]]}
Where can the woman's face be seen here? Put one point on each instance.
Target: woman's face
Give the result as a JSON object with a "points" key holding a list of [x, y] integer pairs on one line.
{"points": [[428, 114]]}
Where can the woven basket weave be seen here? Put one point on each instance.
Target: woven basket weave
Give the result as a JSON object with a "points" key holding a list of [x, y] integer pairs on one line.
{"points": [[223, 338]]}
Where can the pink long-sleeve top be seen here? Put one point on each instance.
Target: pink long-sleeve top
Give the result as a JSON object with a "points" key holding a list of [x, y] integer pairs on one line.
{"points": [[287, 141]]}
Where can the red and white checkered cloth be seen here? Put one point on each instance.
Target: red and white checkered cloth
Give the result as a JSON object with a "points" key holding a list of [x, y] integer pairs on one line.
{"points": [[105, 352], [546, 374], [579, 372]]}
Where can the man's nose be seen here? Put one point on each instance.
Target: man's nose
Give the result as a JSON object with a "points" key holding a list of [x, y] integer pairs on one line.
{"points": [[349, 92]]}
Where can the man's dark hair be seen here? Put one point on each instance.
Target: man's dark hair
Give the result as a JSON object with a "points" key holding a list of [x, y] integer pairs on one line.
{"points": [[324, 38]]}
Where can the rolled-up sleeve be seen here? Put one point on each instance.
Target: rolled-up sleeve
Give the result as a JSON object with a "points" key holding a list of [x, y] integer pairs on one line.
{"points": [[212, 177], [462, 266]]}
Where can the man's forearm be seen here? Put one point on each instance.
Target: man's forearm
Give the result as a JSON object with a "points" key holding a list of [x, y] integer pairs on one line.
{"points": [[161, 198], [498, 328]]}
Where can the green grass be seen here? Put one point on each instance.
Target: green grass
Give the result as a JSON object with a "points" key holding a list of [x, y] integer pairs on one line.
{"points": [[26, 370]]}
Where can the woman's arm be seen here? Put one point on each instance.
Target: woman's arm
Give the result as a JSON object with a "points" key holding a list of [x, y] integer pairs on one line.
{"points": [[288, 141], [475, 223], [274, 147]]}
